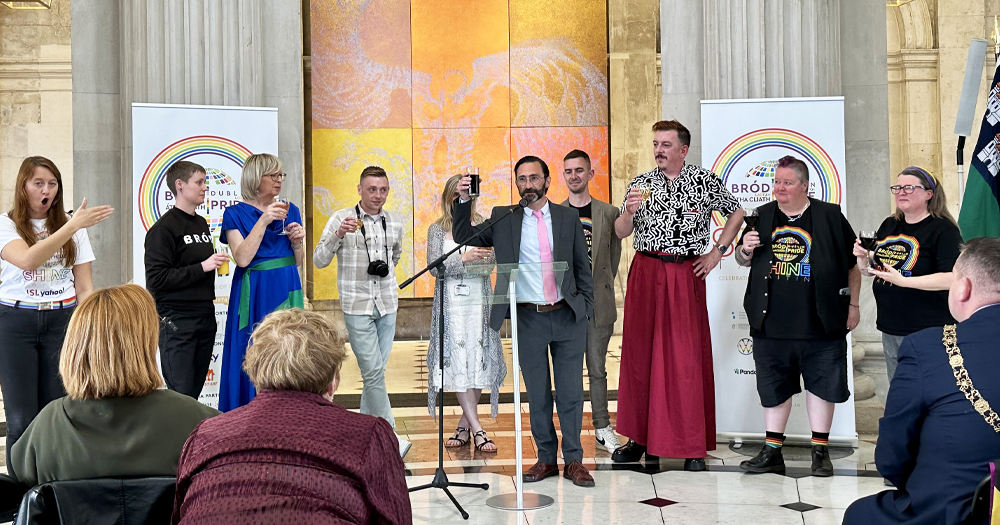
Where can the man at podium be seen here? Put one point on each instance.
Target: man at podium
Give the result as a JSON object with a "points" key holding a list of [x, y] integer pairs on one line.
{"points": [[551, 319]]}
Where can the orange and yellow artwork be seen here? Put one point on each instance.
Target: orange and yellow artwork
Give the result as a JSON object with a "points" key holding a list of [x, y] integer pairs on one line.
{"points": [[427, 88]]}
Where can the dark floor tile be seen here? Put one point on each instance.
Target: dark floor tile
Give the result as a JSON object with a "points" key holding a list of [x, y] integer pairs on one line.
{"points": [[658, 502], [799, 506]]}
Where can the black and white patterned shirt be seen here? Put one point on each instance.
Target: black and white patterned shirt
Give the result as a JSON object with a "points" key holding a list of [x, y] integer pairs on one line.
{"points": [[676, 217]]}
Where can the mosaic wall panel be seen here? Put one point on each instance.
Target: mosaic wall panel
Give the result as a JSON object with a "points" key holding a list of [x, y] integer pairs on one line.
{"points": [[425, 88]]}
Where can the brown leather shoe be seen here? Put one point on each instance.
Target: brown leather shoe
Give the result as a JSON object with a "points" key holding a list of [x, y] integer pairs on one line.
{"points": [[577, 473], [540, 471]]}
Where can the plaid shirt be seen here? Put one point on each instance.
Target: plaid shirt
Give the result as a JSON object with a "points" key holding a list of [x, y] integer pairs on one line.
{"points": [[360, 293]]}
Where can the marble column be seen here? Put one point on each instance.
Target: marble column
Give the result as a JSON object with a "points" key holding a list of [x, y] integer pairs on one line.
{"points": [[635, 102], [213, 52], [864, 85]]}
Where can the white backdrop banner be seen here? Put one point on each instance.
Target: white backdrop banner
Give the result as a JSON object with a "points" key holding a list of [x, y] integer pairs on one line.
{"points": [[220, 138], [741, 142]]}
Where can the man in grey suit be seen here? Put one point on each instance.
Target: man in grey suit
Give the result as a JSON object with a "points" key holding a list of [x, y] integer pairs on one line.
{"points": [[551, 319], [605, 249]]}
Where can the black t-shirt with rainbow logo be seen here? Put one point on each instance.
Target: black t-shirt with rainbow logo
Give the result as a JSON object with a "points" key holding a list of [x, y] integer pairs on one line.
{"points": [[792, 311], [927, 247]]}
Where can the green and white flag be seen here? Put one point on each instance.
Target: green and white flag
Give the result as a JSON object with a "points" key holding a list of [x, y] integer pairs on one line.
{"points": [[980, 214]]}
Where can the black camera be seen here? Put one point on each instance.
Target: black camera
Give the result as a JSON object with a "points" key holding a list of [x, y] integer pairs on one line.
{"points": [[379, 268]]}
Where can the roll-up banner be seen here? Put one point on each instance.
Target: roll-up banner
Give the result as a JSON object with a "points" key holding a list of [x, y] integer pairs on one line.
{"points": [[741, 142], [220, 138]]}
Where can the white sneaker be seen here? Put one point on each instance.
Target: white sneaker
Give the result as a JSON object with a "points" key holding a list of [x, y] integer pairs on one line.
{"points": [[607, 438], [404, 446]]}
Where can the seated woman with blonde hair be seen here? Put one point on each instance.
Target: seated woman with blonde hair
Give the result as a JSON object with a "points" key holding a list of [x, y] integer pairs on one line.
{"points": [[291, 455], [117, 420]]}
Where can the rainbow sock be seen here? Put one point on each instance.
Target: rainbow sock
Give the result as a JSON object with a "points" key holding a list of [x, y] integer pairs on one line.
{"points": [[774, 439], [821, 439]]}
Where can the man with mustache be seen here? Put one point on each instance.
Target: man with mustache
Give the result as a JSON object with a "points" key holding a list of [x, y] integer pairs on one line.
{"points": [[180, 274], [551, 319], [666, 387]]}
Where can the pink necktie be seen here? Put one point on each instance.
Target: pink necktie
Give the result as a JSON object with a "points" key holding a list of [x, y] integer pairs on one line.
{"points": [[548, 277]]}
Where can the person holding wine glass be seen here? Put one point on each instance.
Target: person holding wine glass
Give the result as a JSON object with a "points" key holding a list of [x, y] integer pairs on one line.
{"points": [[666, 338], [181, 264], [473, 355], [367, 240], [912, 256], [267, 267], [801, 301]]}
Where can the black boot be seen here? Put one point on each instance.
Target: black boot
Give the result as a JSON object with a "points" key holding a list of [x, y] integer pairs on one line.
{"points": [[695, 464], [767, 460], [629, 453], [821, 464]]}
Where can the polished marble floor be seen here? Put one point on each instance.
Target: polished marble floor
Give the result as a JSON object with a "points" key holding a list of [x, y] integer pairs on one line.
{"points": [[632, 494]]}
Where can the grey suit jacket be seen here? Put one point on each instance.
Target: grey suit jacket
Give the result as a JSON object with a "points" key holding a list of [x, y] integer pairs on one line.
{"points": [[505, 238], [605, 252]]}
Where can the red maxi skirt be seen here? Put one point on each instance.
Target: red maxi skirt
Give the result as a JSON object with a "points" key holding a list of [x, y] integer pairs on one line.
{"points": [[666, 386]]}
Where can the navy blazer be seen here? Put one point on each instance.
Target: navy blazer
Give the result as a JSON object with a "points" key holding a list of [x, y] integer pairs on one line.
{"points": [[932, 444], [505, 238]]}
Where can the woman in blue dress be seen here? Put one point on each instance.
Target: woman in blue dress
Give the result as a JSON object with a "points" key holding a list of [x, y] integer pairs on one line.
{"points": [[267, 274]]}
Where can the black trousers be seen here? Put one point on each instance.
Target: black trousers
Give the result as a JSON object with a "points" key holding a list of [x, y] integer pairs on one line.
{"points": [[186, 342], [29, 364]]}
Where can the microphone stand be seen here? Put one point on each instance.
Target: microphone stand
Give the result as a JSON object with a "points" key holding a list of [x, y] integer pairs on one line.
{"points": [[440, 480]]}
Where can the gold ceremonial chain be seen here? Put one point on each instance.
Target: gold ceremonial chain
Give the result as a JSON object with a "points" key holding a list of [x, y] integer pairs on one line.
{"points": [[963, 380]]}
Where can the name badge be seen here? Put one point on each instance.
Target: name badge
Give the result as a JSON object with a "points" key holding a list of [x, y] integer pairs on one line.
{"points": [[462, 290]]}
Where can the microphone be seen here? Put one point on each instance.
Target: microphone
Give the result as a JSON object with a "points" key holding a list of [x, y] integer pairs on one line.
{"points": [[528, 199]]}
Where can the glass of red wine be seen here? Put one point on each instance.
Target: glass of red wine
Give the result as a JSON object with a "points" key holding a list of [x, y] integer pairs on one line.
{"points": [[869, 243], [750, 217]]}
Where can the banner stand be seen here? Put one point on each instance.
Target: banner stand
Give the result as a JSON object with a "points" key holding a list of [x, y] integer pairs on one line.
{"points": [[741, 142], [220, 139]]}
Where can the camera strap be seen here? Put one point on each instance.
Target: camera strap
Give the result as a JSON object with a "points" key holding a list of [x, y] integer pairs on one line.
{"points": [[385, 233]]}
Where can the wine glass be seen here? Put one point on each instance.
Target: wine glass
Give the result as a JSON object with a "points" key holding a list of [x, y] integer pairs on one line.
{"points": [[750, 217], [282, 202], [869, 243], [645, 193]]}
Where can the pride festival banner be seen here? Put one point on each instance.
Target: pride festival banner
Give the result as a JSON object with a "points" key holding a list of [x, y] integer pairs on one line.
{"points": [[742, 141], [220, 138]]}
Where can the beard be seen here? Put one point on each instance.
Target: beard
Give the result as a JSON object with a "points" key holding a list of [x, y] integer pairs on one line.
{"points": [[538, 193]]}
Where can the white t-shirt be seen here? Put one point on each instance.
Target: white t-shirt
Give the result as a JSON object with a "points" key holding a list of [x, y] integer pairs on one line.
{"points": [[52, 281]]}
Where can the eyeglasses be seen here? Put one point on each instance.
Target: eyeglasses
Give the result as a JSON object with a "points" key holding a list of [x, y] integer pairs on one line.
{"points": [[906, 190], [277, 177], [534, 179]]}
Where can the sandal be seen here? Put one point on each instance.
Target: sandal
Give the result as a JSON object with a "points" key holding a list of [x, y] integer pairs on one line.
{"points": [[457, 437], [480, 445]]}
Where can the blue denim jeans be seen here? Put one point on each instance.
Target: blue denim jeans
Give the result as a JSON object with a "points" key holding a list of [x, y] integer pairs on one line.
{"points": [[890, 347], [371, 340]]}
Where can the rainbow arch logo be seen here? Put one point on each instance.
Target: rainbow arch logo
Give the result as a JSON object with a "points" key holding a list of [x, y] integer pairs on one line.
{"points": [[900, 244], [156, 172], [822, 170]]}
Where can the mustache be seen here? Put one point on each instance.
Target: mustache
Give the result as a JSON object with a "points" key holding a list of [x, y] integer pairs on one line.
{"points": [[533, 191]]}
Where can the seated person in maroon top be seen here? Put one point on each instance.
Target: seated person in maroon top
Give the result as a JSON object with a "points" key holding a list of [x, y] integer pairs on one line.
{"points": [[291, 455]]}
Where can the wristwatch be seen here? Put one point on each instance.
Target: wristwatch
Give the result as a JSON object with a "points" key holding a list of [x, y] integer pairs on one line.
{"points": [[721, 248]]}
